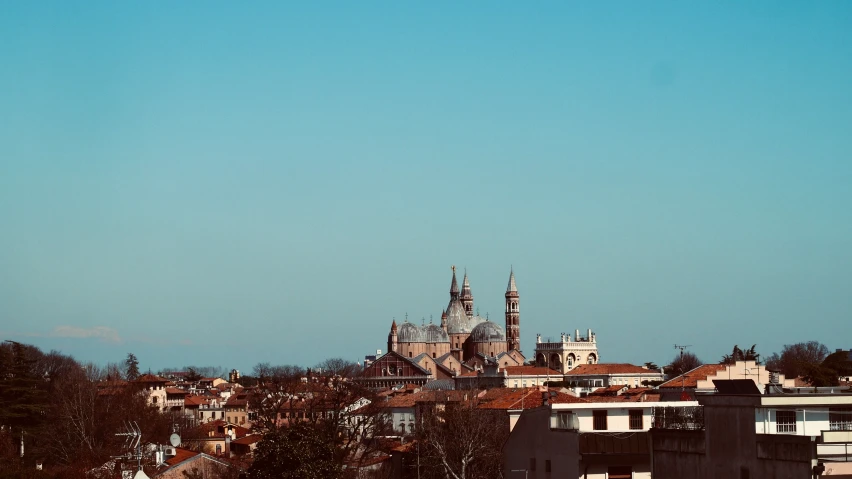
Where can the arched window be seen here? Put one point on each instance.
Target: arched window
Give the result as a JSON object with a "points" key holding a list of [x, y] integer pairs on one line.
{"points": [[409, 354], [433, 355]]}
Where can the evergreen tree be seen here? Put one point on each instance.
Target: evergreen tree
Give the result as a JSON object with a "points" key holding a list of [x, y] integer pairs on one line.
{"points": [[132, 365]]}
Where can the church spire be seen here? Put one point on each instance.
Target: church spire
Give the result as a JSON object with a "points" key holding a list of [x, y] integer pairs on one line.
{"points": [[513, 314], [454, 286], [467, 296], [512, 288]]}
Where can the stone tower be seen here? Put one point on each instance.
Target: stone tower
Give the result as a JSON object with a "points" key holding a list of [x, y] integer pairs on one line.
{"points": [[513, 315], [467, 297], [392, 337]]}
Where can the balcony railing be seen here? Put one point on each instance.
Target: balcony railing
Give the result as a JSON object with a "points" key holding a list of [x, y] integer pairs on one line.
{"points": [[690, 418]]}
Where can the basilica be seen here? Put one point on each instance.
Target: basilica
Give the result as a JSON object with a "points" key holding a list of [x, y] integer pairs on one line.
{"points": [[462, 334]]}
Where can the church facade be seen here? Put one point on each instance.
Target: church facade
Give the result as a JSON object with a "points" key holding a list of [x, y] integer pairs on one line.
{"points": [[462, 334]]}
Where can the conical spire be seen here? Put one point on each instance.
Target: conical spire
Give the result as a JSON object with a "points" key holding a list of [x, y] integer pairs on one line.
{"points": [[512, 287], [454, 287], [465, 285], [393, 325]]}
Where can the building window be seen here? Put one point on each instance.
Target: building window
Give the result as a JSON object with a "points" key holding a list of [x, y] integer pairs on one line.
{"points": [[636, 419], [619, 472], [562, 420], [599, 420], [840, 419], [785, 421], [434, 355]]}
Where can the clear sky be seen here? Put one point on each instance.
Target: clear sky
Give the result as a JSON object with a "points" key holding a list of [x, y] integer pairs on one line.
{"points": [[228, 183]]}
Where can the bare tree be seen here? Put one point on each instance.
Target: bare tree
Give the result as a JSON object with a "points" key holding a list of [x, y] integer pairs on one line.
{"points": [[798, 359], [457, 440], [682, 363]]}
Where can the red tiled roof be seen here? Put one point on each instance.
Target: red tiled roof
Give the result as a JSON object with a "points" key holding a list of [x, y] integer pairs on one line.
{"points": [[690, 378], [609, 368], [524, 398], [801, 382], [180, 456], [530, 371], [612, 390], [246, 440], [175, 391], [150, 378]]}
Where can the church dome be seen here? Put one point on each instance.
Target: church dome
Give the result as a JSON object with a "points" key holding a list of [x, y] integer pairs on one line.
{"points": [[457, 320], [434, 334], [409, 333], [487, 332]]}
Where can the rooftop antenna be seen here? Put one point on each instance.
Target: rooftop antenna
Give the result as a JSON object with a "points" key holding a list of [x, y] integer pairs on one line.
{"points": [[133, 433]]}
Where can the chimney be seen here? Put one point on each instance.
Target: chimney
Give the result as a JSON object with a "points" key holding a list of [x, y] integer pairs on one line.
{"points": [[576, 335], [227, 446]]}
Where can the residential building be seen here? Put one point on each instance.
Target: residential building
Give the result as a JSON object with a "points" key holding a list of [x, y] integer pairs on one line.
{"points": [[587, 378], [154, 388], [701, 378], [593, 438], [746, 434]]}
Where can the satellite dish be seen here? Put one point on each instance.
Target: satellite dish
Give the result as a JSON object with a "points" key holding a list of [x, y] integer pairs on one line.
{"points": [[174, 439]]}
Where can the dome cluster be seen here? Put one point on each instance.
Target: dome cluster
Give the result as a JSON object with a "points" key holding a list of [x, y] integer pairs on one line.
{"points": [[411, 333]]}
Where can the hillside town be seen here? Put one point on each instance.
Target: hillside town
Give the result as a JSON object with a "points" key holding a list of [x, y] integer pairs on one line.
{"points": [[458, 399]]}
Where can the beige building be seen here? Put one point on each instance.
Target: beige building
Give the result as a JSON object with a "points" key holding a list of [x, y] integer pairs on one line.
{"points": [[565, 353], [587, 378], [701, 378]]}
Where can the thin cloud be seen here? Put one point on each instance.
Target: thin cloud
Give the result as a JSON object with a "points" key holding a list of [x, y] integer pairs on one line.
{"points": [[105, 334]]}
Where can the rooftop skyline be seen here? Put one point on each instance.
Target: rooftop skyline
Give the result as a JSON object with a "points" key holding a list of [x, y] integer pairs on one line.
{"points": [[235, 184]]}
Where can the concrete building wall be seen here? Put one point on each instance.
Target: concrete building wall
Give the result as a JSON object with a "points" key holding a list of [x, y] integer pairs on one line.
{"points": [[730, 447], [532, 443]]}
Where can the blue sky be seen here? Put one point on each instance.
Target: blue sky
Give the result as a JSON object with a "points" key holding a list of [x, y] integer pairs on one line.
{"points": [[224, 184]]}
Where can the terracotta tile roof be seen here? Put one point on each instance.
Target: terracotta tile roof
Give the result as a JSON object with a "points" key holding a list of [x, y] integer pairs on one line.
{"points": [[690, 378], [608, 391], [402, 400], [175, 391], [801, 382], [180, 456], [524, 398], [150, 378], [247, 440], [609, 368], [530, 371]]}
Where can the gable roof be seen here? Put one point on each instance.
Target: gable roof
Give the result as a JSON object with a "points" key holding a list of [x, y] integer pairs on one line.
{"points": [[690, 378], [609, 368]]}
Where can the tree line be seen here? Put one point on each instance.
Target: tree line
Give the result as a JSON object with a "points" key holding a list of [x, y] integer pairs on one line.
{"points": [[810, 360]]}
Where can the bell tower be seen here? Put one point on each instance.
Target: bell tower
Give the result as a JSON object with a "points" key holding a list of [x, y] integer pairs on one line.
{"points": [[392, 337], [513, 315], [467, 296]]}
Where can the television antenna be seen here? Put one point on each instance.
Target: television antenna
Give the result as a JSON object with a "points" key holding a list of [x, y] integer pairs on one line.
{"points": [[682, 347], [133, 433]]}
